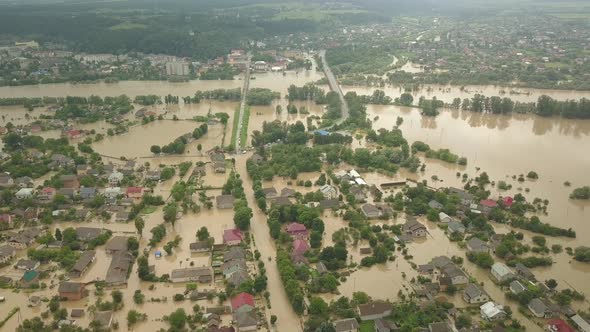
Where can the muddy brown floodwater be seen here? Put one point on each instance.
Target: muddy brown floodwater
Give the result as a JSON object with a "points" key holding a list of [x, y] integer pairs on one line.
{"points": [[502, 146]]}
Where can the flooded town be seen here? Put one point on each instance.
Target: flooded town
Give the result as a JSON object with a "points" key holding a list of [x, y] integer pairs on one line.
{"points": [[356, 178]]}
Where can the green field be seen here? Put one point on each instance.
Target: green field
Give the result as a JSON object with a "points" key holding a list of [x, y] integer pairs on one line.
{"points": [[368, 326]]}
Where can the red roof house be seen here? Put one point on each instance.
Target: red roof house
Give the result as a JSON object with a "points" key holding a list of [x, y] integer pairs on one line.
{"points": [[232, 237], [507, 201], [134, 192], [47, 193], [73, 134], [242, 302], [489, 203], [5, 221], [300, 247], [559, 325], [297, 230]]}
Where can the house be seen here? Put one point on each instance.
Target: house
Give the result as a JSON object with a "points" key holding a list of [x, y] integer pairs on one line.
{"points": [[112, 192], [82, 264], [87, 192], [443, 217], [219, 167], [246, 321], [153, 175], [61, 161], [77, 313], [134, 192], [72, 291], [346, 325], [82, 214], [122, 216], [20, 241], [24, 182], [300, 247], [371, 211], [232, 237], [455, 274], [6, 221], [487, 205], [67, 192], [474, 295], [242, 302], [524, 272], [382, 325], [329, 204], [199, 274], [6, 181], [82, 170], [491, 311], [118, 270], [475, 245], [538, 308], [238, 278], [26, 265], [501, 272], [581, 323], [116, 244], [29, 279], [47, 194], [7, 253], [440, 327], [199, 246], [413, 228], [225, 201], [329, 191], [558, 325], [297, 230], [321, 268], [25, 193], [359, 193], [70, 181], [508, 201], [270, 193], [374, 310], [456, 227], [234, 253], [280, 201], [433, 204], [465, 197], [86, 234], [104, 319], [516, 287], [115, 178], [233, 266]]}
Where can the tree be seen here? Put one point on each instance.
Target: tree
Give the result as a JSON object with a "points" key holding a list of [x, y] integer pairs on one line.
{"points": [[273, 319], [199, 147], [133, 317], [551, 283], [242, 217], [317, 306], [58, 236], [177, 319], [117, 296], [139, 226], [203, 234], [156, 149]]}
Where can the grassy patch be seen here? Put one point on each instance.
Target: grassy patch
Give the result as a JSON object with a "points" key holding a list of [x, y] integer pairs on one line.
{"points": [[367, 326], [234, 131], [244, 133], [148, 210]]}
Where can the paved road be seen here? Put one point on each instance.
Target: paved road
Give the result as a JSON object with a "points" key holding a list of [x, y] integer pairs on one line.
{"points": [[334, 86], [240, 118]]}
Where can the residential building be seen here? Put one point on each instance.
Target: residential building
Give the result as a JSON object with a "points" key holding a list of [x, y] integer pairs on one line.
{"points": [[70, 181], [413, 228], [374, 310], [443, 217], [329, 191], [72, 291], [6, 221], [346, 325], [440, 327], [87, 192], [116, 244], [47, 194], [233, 266], [25, 193], [270, 193], [359, 193], [7, 253], [26, 265], [558, 325], [581, 323], [435, 205], [539, 308], [24, 182], [455, 274], [465, 197], [198, 274], [119, 269], [199, 246], [219, 167], [234, 253], [382, 325], [225, 201], [455, 227], [246, 320], [104, 319], [179, 68], [524, 272], [232, 237], [82, 264], [135, 192], [475, 245], [153, 175], [491, 311], [473, 294], [86, 234], [115, 178], [242, 302], [297, 230], [112, 192], [516, 287], [501, 272], [329, 204], [371, 211], [6, 181]]}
